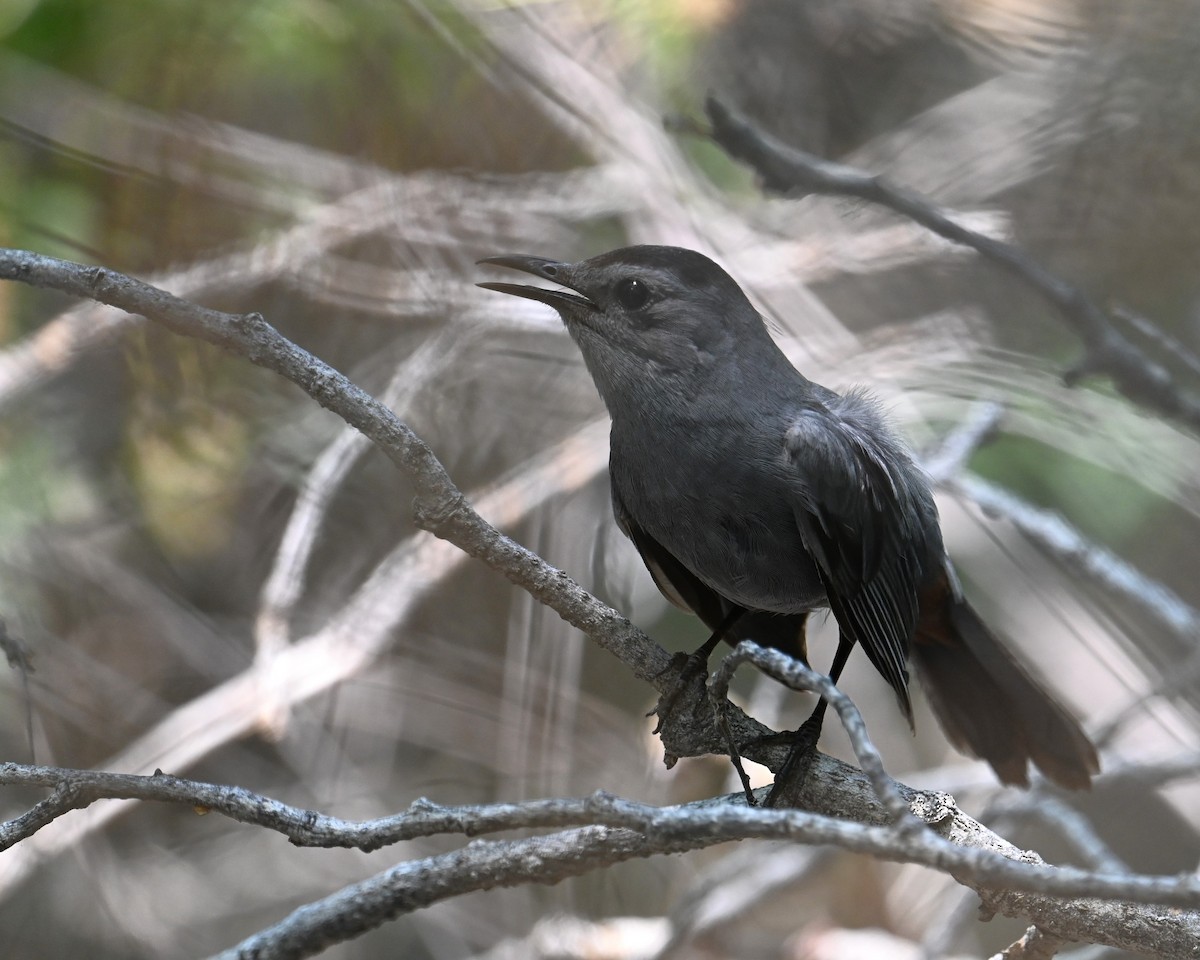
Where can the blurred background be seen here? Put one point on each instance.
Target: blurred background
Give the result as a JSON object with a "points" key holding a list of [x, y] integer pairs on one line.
{"points": [[216, 578]]}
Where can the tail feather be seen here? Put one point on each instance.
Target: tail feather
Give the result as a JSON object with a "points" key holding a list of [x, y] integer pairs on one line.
{"points": [[987, 704]]}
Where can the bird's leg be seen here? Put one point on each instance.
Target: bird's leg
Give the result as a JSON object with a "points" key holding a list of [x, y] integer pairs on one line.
{"points": [[804, 741], [689, 665]]}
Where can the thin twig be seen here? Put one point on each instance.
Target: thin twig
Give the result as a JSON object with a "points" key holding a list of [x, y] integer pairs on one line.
{"points": [[285, 583], [957, 447], [799, 676], [1035, 944], [20, 659]]}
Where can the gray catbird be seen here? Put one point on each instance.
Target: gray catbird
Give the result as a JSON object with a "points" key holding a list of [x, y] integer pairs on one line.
{"points": [[756, 496]]}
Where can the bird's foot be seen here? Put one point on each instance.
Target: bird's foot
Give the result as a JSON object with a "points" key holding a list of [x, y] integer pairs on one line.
{"points": [[687, 668], [794, 771]]}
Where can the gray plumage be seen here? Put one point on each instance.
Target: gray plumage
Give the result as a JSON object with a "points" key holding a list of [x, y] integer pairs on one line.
{"points": [[744, 485]]}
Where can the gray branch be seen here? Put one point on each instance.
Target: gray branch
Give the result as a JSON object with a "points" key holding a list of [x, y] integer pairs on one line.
{"points": [[438, 507], [1068, 902], [783, 169]]}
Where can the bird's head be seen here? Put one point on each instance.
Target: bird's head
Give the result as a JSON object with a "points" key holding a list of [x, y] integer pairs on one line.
{"points": [[645, 317]]}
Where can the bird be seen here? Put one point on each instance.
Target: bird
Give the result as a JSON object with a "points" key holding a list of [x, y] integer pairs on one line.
{"points": [[756, 496]]}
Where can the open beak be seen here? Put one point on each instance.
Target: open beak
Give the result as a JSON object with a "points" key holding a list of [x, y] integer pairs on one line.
{"points": [[546, 269]]}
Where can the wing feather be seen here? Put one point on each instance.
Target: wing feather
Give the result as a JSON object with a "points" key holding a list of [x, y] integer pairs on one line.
{"points": [[863, 511]]}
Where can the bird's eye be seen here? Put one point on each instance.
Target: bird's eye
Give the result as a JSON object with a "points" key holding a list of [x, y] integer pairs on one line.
{"points": [[632, 293]]}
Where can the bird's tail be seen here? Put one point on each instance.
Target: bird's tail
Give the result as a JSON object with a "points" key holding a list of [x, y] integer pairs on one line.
{"points": [[987, 704]]}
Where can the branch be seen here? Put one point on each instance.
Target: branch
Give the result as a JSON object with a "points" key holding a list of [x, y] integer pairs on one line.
{"points": [[438, 507], [1068, 823], [1137, 376], [949, 459], [799, 676], [1060, 539], [484, 865], [954, 843], [284, 585]]}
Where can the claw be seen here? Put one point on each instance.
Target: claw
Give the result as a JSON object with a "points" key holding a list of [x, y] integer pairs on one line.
{"points": [[687, 666], [795, 768]]}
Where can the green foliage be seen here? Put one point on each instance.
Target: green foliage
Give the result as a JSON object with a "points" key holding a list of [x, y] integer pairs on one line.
{"points": [[1105, 506], [295, 68]]}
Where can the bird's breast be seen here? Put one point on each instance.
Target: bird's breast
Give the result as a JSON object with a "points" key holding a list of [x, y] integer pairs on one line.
{"points": [[716, 495]]}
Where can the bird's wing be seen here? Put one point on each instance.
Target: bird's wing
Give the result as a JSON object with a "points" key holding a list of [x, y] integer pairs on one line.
{"points": [[862, 518]]}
